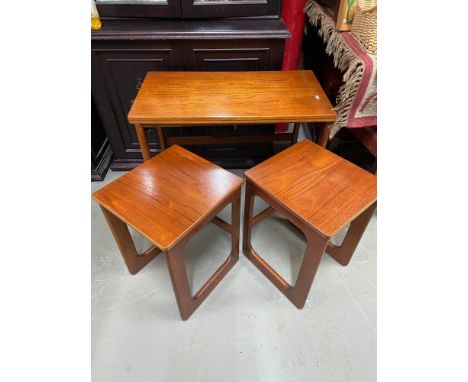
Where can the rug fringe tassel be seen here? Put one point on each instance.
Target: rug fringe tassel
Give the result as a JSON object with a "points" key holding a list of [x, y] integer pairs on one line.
{"points": [[344, 59]]}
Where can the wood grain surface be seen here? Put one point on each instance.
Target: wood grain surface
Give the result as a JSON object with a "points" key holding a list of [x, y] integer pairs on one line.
{"points": [[168, 195], [320, 188], [206, 98]]}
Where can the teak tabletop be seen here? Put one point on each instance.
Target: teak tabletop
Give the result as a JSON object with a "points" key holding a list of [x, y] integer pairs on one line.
{"points": [[320, 188], [201, 98], [168, 195]]}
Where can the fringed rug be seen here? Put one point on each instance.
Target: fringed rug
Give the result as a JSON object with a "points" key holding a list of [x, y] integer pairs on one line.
{"points": [[357, 99]]}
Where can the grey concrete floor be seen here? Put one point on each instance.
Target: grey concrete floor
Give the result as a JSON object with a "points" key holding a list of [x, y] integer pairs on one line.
{"points": [[245, 330]]}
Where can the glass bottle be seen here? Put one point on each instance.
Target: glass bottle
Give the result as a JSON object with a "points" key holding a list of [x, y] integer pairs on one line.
{"points": [[95, 20]]}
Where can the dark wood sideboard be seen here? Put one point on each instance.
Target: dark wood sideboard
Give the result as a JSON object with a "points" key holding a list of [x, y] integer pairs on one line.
{"points": [[125, 49]]}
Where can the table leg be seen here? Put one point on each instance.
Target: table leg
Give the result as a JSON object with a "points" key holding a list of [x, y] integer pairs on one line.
{"points": [[343, 253], [143, 142], [162, 140], [297, 125], [316, 245], [323, 134], [133, 260], [176, 264]]}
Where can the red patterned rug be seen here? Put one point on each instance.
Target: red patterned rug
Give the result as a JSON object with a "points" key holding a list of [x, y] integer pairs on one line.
{"points": [[357, 99]]}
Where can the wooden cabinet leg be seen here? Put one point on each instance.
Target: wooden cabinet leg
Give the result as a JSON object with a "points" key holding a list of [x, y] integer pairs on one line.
{"points": [[142, 140]]}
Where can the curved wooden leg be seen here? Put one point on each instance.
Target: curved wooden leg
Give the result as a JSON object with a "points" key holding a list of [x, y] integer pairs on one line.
{"points": [[176, 265], [315, 248], [343, 253], [134, 261], [316, 245]]}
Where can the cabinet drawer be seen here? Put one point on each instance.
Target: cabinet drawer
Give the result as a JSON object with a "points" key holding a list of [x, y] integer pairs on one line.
{"points": [[230, 8], [233, 55]]}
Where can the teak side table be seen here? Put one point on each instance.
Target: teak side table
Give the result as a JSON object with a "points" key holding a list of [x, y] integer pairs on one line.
{"points": [[172, 99], [168, 199], [319, 193]]}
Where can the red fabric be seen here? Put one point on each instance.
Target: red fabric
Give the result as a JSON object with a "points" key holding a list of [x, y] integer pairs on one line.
{"points": [[293, 17]]}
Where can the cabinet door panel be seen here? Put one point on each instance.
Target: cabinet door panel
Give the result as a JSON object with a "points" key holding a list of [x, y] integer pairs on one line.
{"points": [[145, 8], [230, 8], [117, 75]]}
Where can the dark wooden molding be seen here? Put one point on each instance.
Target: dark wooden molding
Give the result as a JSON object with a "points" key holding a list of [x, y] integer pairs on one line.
{"points": [[101, 151], [125, 29], [98, 173]]}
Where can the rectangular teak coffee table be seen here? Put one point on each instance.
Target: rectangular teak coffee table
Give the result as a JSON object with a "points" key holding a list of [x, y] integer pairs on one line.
{"points": [[173, 99]]}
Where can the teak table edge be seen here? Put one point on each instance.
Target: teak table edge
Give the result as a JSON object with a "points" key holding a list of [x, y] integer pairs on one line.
{"points": [[222, 201], [171, 122], [303, 220], [216, 140]]}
